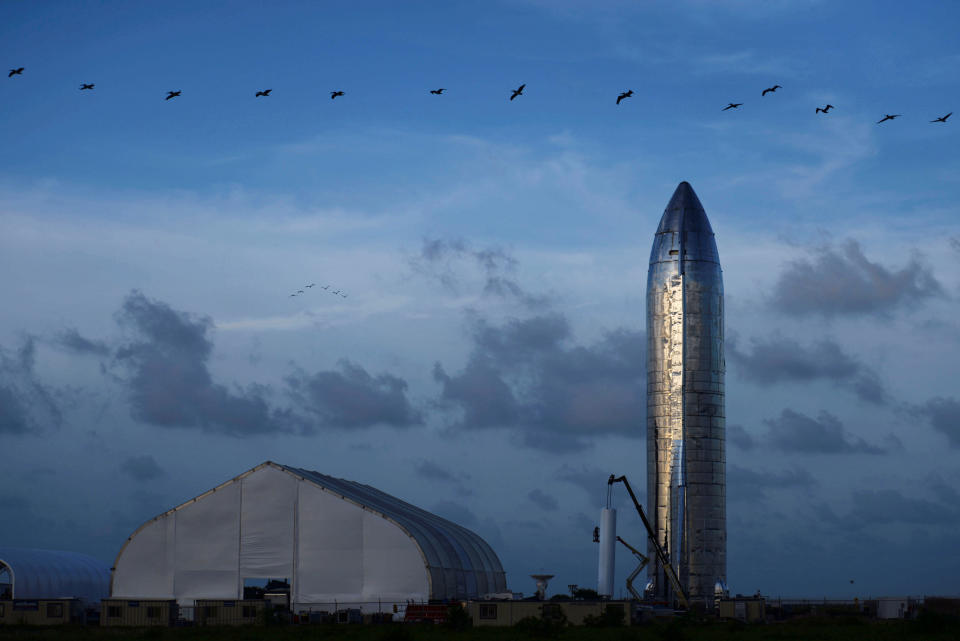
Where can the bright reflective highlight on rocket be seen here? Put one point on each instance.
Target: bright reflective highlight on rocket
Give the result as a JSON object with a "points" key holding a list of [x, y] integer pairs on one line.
{"points": [[686, 462]]}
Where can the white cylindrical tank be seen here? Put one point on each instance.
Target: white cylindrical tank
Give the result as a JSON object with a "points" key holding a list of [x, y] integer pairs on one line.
{"points": [[608, 542]]}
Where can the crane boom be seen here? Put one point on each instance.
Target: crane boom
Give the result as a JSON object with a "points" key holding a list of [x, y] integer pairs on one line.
{"points": [[667, 568]]}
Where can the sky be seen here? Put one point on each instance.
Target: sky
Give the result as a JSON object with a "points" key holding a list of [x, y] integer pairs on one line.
{"points": [[487, 361]]}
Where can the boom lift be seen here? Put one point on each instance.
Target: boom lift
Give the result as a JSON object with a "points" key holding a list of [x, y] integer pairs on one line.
{"points": [[643, 563], [664, 562]]}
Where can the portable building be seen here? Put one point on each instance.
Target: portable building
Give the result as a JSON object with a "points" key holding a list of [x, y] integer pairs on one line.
{"points": [[227, 612], [41, 612], [340, 543], [138, 612]]}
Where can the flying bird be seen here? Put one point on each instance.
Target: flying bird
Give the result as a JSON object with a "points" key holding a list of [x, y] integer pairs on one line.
{"points": [[518, 91], [325, 287], [770, 90], [343, 295], [172, 94], [625, 94], [887, 117], [310, 285], [824, 109], [943, 119], [437, 92], [732, 105], [299, 291], [15, 72], [84, 85], [265, 92], [337, 292], [334, 94]]}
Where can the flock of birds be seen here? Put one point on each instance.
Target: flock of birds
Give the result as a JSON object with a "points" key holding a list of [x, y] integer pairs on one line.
{"points": [[514, 94], [325, 288]]}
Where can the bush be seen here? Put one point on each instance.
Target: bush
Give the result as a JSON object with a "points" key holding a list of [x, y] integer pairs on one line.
{"points": [[612, 617], [541, 627], [457, 618]]}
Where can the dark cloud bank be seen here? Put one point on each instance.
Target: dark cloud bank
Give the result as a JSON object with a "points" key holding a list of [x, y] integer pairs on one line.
{"points": [[795, 432], [842, 281], [528, 373], [27, 405], [779, 359], [168, 379], [944, 417], [163, 364]]}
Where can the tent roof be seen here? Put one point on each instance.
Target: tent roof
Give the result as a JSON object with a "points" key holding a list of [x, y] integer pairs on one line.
{"points": [[444, 543], [51, 574]]}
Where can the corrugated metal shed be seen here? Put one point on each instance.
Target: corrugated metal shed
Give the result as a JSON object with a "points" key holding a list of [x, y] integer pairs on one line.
{"points": [[53, 574]]}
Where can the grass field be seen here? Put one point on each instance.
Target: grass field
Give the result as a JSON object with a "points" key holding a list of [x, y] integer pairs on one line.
{"points": [[925, 629]]}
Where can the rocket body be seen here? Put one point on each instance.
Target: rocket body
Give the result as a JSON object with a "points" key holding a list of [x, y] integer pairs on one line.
{"points": [[686, 460]]}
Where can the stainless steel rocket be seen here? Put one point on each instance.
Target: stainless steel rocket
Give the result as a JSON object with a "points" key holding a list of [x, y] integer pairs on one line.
{"points": [[686, 461]]}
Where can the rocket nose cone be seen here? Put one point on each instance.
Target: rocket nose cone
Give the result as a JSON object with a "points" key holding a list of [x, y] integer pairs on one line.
{"points": [[684, 212]]}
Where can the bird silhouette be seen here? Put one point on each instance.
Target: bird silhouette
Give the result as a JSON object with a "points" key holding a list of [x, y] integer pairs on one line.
{"points": [[265, 92], [299, 291], [172, 94], [625, 94], [15, 72], [824, 109], [310, 285], [343, 295], [292, 295], [943, 119], [437, 92], [337, 292], [518, 91], [83, 86], [770, 90], [732, 105], [887, 117], [334, 94]]}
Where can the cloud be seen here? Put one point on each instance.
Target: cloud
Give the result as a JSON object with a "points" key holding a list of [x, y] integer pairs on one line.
{"points": [[436, 473], [529, 376], [455, 512], [744, 483], [796, 432], [142, 468], [780, 359], [591, 480], [431, 471], [26, 404], [443, 260], [73, 341], [543, 500], [741, 438], [955, 243], [881, 507], [351, 398], [168, 381], [842, 281], [944, 416]]}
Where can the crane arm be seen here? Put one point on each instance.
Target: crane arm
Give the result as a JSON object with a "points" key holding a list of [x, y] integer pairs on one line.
{"points": [[667, 568]]}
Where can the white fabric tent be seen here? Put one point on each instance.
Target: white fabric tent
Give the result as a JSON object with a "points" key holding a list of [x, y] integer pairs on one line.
{"points": [[335, 540]]}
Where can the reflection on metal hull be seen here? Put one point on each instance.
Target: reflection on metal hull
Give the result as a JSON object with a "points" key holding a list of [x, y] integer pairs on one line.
{"points": [[686, 475]]}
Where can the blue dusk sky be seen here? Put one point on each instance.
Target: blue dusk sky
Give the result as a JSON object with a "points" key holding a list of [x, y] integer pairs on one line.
{"points": [[487, 361]]}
